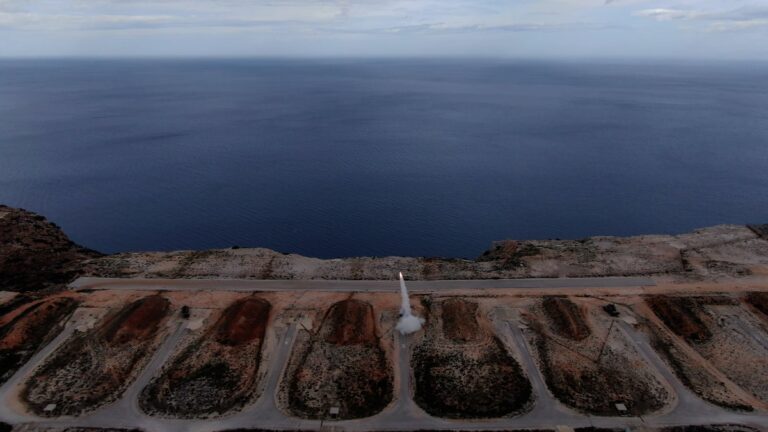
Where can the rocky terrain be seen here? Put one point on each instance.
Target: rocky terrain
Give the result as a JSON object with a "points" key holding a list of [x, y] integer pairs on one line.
{"points": [[31, 327], [465, 363], [717, 328], [463, 370], [694, 372], [35, 254], [706, 318], [341, 365], [566, 317], [592, 367], [94, 367], [217, 372], [733, 349], [727, 251]]}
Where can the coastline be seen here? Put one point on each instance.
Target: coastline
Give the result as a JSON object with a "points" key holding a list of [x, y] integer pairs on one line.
{"points": [[709, 254]]}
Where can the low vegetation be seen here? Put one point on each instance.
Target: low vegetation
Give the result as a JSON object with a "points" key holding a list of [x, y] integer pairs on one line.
{"points": [[342, 365], [30, 330], [566, 317], [219, 371], [95, 367], [462, 371]]}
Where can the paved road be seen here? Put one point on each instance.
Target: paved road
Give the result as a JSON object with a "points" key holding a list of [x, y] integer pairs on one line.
{"points": [[686, 401], [10, 390], [688, 406], [265, 411], [127, 408], [546, 407], [349, 286], [402, 414], [739, 325]]}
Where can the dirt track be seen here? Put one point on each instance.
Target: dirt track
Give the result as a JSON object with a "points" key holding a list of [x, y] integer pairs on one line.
{"points": [[22, 335], [93, 368], [462, 370], [339, 367], [352, 322], [682, 315], [217, 372], [705, 381], [464, 327], [459, 320], [568, 320], [593, 374]]}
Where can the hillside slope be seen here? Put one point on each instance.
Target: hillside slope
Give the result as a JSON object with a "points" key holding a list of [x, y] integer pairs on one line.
{"points": [[36, 254]]}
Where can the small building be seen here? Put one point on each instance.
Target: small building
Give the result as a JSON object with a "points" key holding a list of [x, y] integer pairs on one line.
{"points": [[334, 412]]}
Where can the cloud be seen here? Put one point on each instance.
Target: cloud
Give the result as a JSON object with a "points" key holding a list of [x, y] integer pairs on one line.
{"points": [[32, 21], [326, 16], [500, 27], [746, 17], [12, 5], [442, 28]]}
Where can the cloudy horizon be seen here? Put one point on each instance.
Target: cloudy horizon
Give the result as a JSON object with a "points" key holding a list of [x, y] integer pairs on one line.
{"points": [[686, 29]]}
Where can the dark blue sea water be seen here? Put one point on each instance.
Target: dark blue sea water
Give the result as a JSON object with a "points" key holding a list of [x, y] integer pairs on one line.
{"points": [[337, 158]]}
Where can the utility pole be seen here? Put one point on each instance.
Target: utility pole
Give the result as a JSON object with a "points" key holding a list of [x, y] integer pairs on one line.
{"points": [[605, 341]]}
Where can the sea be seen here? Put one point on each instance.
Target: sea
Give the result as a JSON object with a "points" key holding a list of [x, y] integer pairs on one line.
{"points": [[377, 157]]}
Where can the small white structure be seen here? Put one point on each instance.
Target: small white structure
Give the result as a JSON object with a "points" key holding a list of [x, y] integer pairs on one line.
{"points": [[620, 407], [334, 412], [49, 407], [629, 320]]}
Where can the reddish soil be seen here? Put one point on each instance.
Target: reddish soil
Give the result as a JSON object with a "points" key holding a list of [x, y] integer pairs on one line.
{"points": [[759, 300], [14, 304], [136, 322], [455, 379], [342, 365], [692, 375], [93, 368], [216, 373], [35, 254], [243, 321], [567, 319], [352, 323], [715, 300], [460, 320], [31, 329], [594, 388], [681, 315]]}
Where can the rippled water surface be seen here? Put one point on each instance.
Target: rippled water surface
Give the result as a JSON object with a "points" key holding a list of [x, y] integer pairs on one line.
{"points": [[336, 158]]}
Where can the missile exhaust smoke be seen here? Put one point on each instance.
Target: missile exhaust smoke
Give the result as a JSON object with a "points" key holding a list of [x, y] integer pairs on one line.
{"points": [[408, 322]]}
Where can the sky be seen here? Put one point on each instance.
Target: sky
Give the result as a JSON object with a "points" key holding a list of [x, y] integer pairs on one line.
{"points": [[696, 29]]}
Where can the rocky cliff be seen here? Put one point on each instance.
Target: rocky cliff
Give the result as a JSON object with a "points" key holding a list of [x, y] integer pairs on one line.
{"points": [[35, 254]]}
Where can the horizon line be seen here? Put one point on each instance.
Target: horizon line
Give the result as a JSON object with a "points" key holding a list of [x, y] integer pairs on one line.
{"points": [[574, 59]]}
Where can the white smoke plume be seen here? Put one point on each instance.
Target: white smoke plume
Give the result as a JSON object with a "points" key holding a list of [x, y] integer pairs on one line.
{"points": [[408, 322]]}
